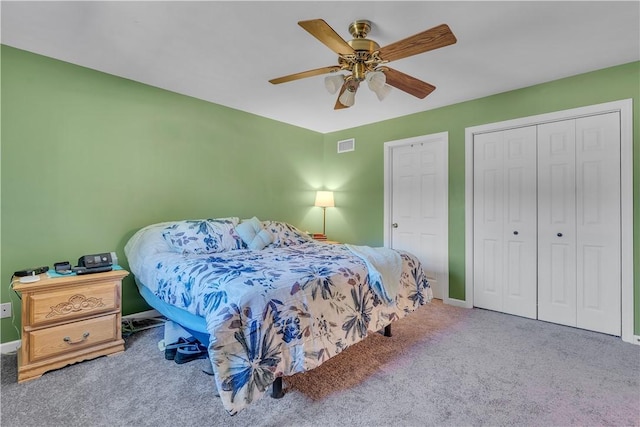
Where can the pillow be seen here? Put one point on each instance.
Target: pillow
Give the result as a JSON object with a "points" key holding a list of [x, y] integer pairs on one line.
{"points": [[145, 242], [226, 229], [203, 236], [252, 234], [284, 234]]}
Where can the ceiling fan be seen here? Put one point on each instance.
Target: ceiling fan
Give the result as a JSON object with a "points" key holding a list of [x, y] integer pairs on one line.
{"points": [[366, 60]]}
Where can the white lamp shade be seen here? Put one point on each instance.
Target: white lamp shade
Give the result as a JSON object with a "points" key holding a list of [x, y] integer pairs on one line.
{"points": [[348, 98], [324, 199], [333, 82], [382, 92], [376, 80]]}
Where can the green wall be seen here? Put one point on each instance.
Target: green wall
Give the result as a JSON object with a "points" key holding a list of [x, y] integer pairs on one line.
{"points": [[357, 177], [88, 158]]}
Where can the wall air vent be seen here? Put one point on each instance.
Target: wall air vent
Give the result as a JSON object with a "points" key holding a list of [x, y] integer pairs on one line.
{"points": [[346, 145]]}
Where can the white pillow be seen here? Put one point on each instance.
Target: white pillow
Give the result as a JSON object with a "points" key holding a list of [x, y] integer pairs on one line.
{"points": [[252, 234], [145, 242]]}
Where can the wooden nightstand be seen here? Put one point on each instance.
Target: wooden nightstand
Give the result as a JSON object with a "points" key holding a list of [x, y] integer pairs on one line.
{"points": [[66, 320]]}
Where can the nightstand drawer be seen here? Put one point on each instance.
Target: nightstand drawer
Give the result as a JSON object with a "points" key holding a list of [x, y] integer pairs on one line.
{"points": [[73, 302], [69, 337]]}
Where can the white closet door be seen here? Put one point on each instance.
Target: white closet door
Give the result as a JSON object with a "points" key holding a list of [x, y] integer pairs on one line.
{"points": [[556, 223], [598, 223], [488, 220], [579, 223], [505, 221]]}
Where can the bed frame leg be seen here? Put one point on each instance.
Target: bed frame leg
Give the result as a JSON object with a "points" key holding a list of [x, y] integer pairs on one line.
{"points": [[387, 330], [276, 391]]}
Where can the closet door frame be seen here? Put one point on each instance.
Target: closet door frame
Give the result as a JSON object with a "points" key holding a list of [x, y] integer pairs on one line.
{"points": [[625, 109]]}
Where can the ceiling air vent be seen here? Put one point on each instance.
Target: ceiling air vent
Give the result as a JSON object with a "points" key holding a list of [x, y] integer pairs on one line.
{"points": [[346, 145]]}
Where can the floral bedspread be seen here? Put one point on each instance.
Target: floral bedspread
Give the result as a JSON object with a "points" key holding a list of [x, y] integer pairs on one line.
{"points": [[280, 311]]}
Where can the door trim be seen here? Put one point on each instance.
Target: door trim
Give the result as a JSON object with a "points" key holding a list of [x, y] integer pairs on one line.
{"points": [[625, 108], [388, 161]]}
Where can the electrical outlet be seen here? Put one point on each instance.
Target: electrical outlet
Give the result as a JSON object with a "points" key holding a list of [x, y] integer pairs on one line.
{"points": [[5, 310]]}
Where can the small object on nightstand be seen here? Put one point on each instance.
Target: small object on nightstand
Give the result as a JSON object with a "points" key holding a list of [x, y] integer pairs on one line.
{"points": [[63, 267], [31, 271], [30, 275], [98, 263]]}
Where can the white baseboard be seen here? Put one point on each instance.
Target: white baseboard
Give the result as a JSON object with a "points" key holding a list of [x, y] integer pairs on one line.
{"points": [[457, 302], [11, 346]]}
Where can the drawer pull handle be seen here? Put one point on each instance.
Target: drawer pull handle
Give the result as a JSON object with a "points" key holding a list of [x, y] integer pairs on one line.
{"points": [[84, 337]]}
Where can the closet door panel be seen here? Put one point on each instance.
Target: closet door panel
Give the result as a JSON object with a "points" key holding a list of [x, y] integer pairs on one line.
{"points": [[488, 221], [556, 223], [598, 223], [504, 221], [519, 230]]}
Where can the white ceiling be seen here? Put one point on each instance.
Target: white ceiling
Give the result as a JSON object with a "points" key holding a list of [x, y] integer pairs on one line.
{"points": [[225, 52]]}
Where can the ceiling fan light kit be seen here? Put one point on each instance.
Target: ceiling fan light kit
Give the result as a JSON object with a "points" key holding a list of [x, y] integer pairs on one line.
{"points": [[376, 80], [365, 60], [348, 97], [333, 82]]}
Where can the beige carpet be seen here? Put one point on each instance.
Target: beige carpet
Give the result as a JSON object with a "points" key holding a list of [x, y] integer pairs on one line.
{"points": [[443, 366], [376, 353]]}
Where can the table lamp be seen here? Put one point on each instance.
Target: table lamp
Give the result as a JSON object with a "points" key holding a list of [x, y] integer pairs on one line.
{"points": [[324, 199]]}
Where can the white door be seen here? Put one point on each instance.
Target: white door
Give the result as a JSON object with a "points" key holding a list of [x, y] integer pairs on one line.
{"points": [[419, 205], [504, 264], [584, 216], [598, 223], [579, 223], [556, 223]]}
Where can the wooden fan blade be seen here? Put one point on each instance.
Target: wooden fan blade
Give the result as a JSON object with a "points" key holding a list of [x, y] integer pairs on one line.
{"points": [[305, 74], [319, 29], [408, 84], [425, 41]]}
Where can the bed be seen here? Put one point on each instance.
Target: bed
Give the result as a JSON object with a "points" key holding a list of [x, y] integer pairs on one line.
{"points": [[266, 299]]}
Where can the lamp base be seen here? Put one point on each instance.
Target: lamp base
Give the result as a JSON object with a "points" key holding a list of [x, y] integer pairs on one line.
{"points": [[319, 236]]}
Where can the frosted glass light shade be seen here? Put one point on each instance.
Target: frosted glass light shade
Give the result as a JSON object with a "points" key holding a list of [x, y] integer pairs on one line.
{"points": [[334, 82], [376, 80], [377, 83], [348, 98], [382, 92], [324, 199]]}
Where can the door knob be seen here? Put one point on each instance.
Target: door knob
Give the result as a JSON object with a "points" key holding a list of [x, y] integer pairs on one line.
{"points": [[559, 234], [515, 232], [394, 225]]}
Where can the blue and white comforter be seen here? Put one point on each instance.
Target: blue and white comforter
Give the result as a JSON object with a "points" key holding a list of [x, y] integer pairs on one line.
{"points": [[280, 311]]}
